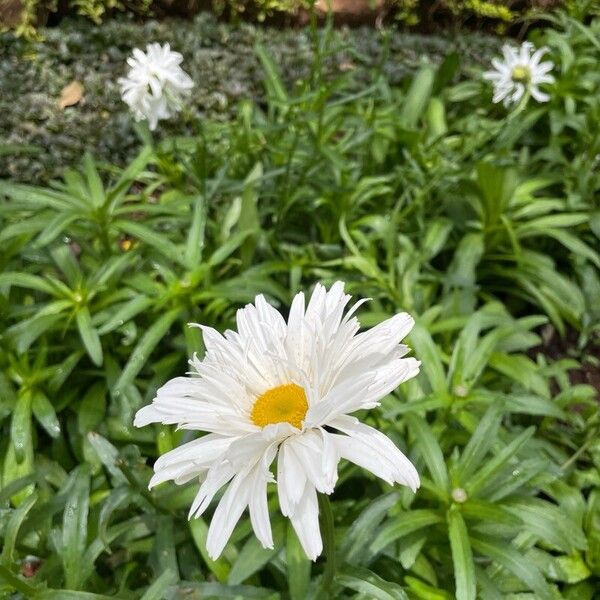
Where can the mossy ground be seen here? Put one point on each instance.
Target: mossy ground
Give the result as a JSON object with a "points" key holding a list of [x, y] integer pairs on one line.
{"points": [[219, 57]]}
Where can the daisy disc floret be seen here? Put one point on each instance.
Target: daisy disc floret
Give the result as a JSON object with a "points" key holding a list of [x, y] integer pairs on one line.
{"points": [[519, 72], [285, 391], [155, 84]]}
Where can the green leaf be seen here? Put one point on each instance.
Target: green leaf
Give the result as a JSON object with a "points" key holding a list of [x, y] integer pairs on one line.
{"points": [[220, 567], [403, 524], [152, 238], [195, 239], [219, 591], [512, 560], [54, 228], [92, 408], [16, 583], [11, 531], [71, 595], [366, 582], [430, 451], [158, 590], [491, 467], [272, 80], [163, 556], [298, 566], [353, 545], [253, 556], [20, 427], [45, 414], [26, 280], [94, 183], [66, 262], [462, 557], [89, 335], [417, 98], [429, 355], [125, 313], [74, 530], [142, 351], [478, 446]]}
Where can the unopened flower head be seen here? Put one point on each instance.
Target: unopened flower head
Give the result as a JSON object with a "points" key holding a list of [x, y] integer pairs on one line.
{"points": [[521, 71], [286, 390], [155, 84]]}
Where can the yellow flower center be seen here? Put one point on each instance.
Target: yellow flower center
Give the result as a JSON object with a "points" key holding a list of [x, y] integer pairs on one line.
{"points": [[520, 74], [282, 404]]}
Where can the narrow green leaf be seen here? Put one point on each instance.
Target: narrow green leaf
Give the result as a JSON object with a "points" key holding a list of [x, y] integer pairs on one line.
{"points": [[125, 313], [12, 530], [429, 354], [430, 451], [369, 584], [354, 543], [253, 556], [220, 567], [403, 524], [92, 408], [158, 589], [462, 557], [195, 239], [511, 559], [94, 183], [74, 531], [491, 467], [417, 98], [20, 427], [479, 444], [298, 566], [152, 238], [142, 351], [45, 414], [274, 86], [89, 335]]}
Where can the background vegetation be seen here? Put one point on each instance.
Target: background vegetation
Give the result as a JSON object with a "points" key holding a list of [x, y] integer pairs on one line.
{"points": [[422, 195], [24, 16], [39, 137]]}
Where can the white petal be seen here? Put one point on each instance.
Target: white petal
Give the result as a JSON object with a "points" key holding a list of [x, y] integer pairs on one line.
{"points": [[305, 522], [190, 459], [259, 510], [372, 450], [291, 478], [227, 514], [539, 95]]}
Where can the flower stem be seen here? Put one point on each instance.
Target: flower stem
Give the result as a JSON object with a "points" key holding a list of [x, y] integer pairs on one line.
{"points": [[326, 518]]}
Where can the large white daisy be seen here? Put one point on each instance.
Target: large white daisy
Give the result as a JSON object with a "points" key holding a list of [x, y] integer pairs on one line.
{"points": [[288, 390], [155, 84], [521, 71]]}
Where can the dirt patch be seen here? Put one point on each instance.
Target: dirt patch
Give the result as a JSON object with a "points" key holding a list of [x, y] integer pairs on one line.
{"points": [[556, 347]]}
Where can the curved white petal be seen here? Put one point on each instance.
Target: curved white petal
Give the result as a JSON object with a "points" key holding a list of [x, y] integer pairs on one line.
{"points": [[305, 521], [372, 450]]}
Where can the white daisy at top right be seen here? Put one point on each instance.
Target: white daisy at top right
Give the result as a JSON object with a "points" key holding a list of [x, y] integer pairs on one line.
{"points": [[521, 71]]}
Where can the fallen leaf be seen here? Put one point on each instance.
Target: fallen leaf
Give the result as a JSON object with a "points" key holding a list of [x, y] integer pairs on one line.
{"points": [[70, 94]]}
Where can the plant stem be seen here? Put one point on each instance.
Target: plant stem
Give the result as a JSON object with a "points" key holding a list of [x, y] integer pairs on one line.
{"points": [[326, 518]]}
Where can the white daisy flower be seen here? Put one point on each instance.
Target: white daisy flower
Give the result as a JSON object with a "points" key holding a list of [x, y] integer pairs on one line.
{"points": [[155, 84], [288, 390], [521, 71]]}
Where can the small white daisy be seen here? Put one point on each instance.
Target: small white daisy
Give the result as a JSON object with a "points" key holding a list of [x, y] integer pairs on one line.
{"points": [[521, 71], [155, 84], [288, 390]]}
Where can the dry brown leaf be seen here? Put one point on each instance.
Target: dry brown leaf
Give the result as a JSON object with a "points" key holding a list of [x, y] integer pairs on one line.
{"points": [[71, 94]]}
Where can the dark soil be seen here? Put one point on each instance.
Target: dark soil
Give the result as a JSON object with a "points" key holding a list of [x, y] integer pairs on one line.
{"points": [[556, 347]]}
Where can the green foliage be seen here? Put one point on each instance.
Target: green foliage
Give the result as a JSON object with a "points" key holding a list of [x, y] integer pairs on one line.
{"points": [[220, 58], [422, 196]]}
